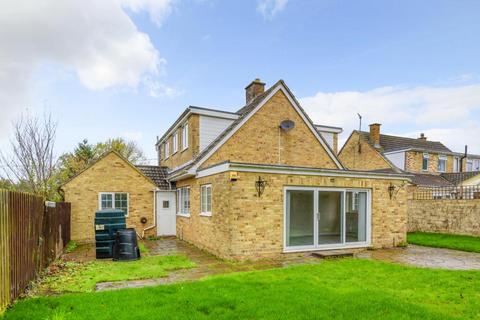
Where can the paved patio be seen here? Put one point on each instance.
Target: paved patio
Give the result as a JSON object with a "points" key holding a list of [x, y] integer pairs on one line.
{"points": [[208, 264], [426, 257]]}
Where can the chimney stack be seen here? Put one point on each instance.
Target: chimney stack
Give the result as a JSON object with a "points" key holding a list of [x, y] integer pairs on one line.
{"points": [[422, 137], [254, 89], [375, 134]]}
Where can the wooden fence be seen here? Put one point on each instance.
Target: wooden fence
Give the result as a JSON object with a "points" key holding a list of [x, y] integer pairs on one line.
{"points": [[32, 235]]}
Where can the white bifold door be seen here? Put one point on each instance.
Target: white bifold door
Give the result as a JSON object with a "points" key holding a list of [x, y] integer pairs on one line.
{"points": [[322, 218]]}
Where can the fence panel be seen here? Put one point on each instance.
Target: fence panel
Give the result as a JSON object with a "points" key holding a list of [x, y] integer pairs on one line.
{"points": [[31, 237], [447, 193]]}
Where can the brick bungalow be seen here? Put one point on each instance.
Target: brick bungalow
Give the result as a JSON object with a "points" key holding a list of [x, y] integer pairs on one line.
{"points": [[256, 183]]}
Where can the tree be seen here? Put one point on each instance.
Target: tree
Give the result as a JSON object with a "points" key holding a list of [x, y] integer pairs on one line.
{"points": [[31, 162], [128, 149]]}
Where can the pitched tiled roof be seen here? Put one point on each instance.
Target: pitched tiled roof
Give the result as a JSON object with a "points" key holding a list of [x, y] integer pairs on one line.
{"points": [[429, 180], [392, 143], [459, 177], [157, 174]]}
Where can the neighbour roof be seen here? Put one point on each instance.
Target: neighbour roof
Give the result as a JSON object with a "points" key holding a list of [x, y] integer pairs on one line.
{"points": [[157, 174], [429, 180], [393, 143], [459, 177]]}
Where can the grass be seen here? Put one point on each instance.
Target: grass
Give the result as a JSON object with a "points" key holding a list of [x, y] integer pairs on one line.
{"points": [[71, 246], [341, 289], [442, 240], [82, 277]]}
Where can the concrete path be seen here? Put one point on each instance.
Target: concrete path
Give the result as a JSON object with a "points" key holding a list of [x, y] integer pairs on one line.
{"points": [[426, 257]]}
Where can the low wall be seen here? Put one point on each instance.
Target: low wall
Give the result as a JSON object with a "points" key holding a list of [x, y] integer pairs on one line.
{"points": [[445, 216]]}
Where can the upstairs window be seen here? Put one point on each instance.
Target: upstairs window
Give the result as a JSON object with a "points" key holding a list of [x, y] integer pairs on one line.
{"points": [[456, 164], [442, 163], [175, 142], [469, 165], [476, 165], [185, 136], [425, 161], [167, 149]]}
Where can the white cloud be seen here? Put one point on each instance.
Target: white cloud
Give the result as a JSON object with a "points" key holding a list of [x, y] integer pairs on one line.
{"points": [[270, 8], [96, 40], [158, 10], [444, 113]]}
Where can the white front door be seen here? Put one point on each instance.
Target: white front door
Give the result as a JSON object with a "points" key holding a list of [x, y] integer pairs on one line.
{"points": [[166, 214]]}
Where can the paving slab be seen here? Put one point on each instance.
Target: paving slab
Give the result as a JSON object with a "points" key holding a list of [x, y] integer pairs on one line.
{"points": [[426, 257]]}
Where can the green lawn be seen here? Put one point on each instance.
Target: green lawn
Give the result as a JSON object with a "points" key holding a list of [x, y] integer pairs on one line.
{"points": [[82, 277], [441, 240], [341, 289]]}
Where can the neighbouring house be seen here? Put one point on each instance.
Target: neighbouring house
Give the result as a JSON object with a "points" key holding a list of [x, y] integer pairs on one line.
{"points": [[256, 183], [265, 180], [113, 182]]}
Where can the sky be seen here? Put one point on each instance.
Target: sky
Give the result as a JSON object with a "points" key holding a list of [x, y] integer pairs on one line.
{"points": [[129, 68]]}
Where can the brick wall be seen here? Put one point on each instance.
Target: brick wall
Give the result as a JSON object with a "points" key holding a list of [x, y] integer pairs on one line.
{"points": [[367, 159], [259, 140], [110, 174], [445, 216], [244, 226], [414, 162], [182, 156]]}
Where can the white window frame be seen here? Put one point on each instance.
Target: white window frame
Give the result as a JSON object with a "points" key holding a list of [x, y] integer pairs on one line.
{"points": [[175, 143], [476, 165], [185, 136], [166, 149], [204, 206], [181, 210], [456, 164], [469, 162], [344, 244], [426, 156], [113, 200], [442, 158]]}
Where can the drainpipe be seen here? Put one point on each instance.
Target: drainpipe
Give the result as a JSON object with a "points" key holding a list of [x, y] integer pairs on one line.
{"points": [[463, 157], [154, 214]]}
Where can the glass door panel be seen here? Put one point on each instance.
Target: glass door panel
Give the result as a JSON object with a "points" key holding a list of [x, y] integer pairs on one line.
{"points": [[330, 221], [299, 218], [356, 216]]}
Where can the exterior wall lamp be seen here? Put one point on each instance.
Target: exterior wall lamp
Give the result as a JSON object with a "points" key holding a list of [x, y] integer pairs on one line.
{"points": [[391, 190], [260, 186]]}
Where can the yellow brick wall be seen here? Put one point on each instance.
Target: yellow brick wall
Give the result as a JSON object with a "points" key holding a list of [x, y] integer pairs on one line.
{"points": [[414, 161], [244, 226], [367, 159], [209, 233], [182, 156], [335, 143], [110, 174], [257, 141]]}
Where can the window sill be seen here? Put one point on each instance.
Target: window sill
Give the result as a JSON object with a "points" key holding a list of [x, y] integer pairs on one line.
{"points": [[184, 215], [205, 214], [173, 153], [184, 149]]}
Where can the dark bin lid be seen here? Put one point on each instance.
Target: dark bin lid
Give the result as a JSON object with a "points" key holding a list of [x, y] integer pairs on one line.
{"points": [[109, 213]]}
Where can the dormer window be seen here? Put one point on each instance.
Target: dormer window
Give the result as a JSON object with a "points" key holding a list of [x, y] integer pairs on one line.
{"points": [[425, 161], [442, 163]]}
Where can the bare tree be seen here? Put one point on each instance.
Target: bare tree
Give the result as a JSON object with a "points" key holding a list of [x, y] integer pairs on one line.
{"points": [[31, 162]]}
